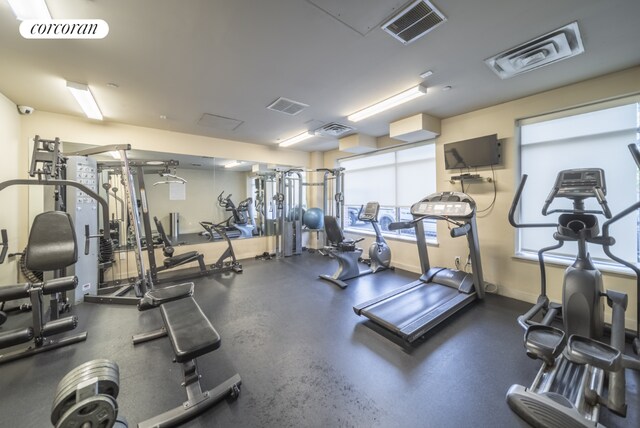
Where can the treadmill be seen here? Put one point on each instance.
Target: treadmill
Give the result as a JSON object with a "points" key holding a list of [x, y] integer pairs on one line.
{"points": [[414, 309]]}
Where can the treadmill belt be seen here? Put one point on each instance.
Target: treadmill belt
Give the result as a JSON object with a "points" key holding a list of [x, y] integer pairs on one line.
{"points": [[405, 308]]}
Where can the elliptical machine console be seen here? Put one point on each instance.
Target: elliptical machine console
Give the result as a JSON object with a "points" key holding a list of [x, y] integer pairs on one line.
{"points": [[570, 386]]}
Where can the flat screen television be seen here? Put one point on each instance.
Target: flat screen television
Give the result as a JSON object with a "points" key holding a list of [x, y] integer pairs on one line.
{"points": [[476, 152]]}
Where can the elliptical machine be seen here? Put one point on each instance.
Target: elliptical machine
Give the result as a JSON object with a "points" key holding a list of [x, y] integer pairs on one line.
{"points": [[239, 215], [348, 255], [570, 386]]}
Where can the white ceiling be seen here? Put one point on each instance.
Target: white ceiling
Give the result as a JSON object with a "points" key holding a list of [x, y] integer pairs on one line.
{"points": [[232, 58]]}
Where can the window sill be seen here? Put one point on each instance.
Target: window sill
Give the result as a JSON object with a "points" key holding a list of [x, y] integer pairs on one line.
{"points": [[565, 261], [400, 238]]}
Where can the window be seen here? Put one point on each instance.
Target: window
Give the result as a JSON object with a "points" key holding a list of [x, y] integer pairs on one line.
{"points": [[595, 136], [396, 179]]}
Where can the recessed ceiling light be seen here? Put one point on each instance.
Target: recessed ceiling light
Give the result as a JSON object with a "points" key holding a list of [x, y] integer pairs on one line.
{"points": [[163, 116], [426, 74]]}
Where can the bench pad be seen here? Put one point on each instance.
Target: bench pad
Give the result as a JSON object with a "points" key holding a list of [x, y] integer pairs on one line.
{"points": [[189, 330]]}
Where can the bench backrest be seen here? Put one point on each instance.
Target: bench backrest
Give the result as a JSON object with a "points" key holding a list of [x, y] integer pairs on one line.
{"points": [[52, 242]]}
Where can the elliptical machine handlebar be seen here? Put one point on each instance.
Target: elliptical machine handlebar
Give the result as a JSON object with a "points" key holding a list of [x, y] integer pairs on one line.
{"points": [[514, 205]]}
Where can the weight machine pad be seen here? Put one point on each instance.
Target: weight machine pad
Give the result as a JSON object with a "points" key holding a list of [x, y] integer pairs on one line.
{"points": [[14, 292], [52, 242], [189, 330]]}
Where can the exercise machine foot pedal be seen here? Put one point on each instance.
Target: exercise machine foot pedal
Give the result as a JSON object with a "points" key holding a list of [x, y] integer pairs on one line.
{"points": [[583, 350], [544, 342]]}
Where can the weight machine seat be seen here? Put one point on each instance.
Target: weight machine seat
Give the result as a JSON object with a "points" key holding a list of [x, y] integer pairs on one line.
{"points": [[336, 237], [52, 242], [189, 330]]}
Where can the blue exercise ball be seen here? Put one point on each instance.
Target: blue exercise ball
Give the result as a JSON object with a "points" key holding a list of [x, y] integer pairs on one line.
{"points": [[313, 218]]}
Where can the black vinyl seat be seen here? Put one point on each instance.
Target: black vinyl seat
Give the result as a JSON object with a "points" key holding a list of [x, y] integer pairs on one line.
{"points": [[336, 237], [52, 242]]}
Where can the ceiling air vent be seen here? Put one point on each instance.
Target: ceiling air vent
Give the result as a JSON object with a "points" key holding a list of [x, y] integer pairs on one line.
{"points": [[333, 130], [555, 46], [287, 106], [414, 22]]}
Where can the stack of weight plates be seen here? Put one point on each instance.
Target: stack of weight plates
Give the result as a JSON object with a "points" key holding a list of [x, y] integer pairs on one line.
{"points": [[86, 396]]}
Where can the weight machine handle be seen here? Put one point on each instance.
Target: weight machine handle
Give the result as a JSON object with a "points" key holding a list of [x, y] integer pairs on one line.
{"points": [[4, 244]]}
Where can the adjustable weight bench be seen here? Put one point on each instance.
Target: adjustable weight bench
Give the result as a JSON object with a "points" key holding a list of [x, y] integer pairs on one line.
{"points": [[191, 335]]}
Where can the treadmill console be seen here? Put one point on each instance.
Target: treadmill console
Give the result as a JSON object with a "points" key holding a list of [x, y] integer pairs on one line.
{"points": [[445, 204], [580, 183]]}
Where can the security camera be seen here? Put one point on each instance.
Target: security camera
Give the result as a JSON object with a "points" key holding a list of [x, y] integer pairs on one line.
{"points": [[25, 109]]}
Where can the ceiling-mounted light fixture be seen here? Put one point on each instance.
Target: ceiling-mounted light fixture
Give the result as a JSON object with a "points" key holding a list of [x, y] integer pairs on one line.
{"points": [[426, 74], [83, 96], [298, 138], [30, 9], [396, 100], [233, 164]]}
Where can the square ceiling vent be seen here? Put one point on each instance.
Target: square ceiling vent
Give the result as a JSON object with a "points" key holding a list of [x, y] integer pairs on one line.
{"points": [[333, 130], [415, 21], [287, 106], [552, 47]]}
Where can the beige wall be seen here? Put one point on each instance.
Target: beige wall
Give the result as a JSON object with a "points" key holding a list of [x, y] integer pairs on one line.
{"points": [[10, 198], [516, 278]]}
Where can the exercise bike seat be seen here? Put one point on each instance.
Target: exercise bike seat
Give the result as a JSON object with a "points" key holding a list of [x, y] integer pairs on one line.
{"points": [[336, 237]]}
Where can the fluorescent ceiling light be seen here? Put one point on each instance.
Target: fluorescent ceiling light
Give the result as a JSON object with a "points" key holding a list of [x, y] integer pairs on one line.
{"points": [[233, 164], [298, 138], [30, 9], [396, 100], [84, 97]]}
